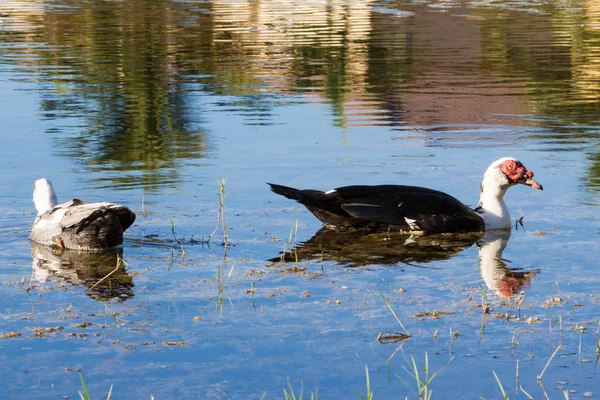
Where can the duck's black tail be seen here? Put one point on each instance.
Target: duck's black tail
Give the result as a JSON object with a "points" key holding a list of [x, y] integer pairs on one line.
{"points": [[286, 191], [325, 206]]}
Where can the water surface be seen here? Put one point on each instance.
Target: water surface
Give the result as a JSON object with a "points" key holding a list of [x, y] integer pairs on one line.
{"points": [[150, 103]]}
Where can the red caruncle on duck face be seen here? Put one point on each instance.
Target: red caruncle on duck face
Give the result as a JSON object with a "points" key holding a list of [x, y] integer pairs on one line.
{"points": [[514, 170], [517, 173]]}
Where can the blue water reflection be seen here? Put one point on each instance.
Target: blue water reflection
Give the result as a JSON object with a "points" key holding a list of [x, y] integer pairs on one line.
{"points": [[149, 102]]}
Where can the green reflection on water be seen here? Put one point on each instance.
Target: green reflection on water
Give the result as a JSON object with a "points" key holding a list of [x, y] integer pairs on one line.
{"points": [[133, 69], [556, 56]]}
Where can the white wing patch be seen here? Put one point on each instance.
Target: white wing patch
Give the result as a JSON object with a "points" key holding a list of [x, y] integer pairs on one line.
{"points": [[412, 223], [332, 191]]}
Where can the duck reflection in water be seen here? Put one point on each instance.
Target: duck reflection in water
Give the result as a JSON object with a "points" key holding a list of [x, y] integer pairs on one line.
{"points": [[497, 275], [356, 249], [83, 269]]}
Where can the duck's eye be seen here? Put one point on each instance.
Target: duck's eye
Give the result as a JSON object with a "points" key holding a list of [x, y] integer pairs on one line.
{"points": [[509, 166]]}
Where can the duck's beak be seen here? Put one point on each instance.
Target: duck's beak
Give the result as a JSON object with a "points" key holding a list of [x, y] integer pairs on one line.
{"points": [[527, 180]]}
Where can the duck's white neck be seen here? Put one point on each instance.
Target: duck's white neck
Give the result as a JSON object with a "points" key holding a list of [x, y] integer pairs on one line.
{"points": [[491, 205]]}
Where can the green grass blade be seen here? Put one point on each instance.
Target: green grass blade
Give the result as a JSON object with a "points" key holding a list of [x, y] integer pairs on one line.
{"points": [[85, 395], [417, 377], [291, 395], [504, 395], [369, 394], [368, 383], [287, 396]]}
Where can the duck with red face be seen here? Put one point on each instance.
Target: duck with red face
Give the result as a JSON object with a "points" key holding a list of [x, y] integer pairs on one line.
{"points": [[413, 208]]}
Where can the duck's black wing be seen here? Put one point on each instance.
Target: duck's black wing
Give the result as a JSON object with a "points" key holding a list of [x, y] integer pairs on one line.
{"points": [[409, 208]]}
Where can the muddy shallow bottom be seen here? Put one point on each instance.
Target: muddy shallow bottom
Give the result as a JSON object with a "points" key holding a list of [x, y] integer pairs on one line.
{"points": [[238, 322]]}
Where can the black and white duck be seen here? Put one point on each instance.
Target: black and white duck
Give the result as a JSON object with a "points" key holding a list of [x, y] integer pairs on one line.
{"points": [[413, 208]]}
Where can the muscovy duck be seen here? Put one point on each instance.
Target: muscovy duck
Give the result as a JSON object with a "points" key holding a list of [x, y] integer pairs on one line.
{"points": [[416, 209], [75, 224]]}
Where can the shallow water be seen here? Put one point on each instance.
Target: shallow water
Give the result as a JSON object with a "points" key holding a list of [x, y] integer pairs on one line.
{"points": [[150, 103]]}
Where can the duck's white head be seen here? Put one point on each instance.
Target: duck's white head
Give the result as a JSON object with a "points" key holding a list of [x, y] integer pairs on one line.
{"points": [[506, 172], [44, 196], [499, 176]]}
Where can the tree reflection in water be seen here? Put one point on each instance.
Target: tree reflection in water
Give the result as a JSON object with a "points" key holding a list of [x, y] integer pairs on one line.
{"points": [[135, 70]]}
